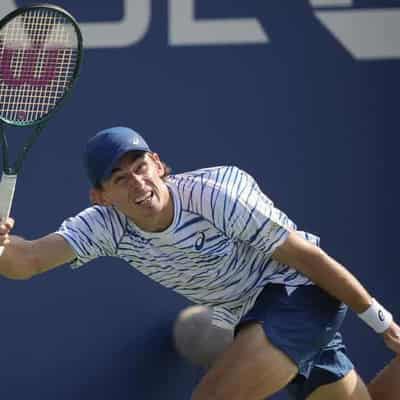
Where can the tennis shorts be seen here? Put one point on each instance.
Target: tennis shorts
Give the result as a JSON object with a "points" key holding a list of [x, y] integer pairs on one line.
{"points": [[304, 325]]}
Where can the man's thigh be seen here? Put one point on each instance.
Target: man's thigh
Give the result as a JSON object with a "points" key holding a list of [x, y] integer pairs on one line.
{"points": [[250, 369], [386, 385], [350, 387]]}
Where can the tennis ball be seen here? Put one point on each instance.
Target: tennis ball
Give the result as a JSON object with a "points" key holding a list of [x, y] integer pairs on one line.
{"points": [[196, 339]]}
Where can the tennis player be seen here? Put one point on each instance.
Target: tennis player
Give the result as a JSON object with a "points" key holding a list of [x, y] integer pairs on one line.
{"points": [[213, 236]]}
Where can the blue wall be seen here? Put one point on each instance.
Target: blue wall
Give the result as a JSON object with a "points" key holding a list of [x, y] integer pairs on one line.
{"points": [[308, 107]]}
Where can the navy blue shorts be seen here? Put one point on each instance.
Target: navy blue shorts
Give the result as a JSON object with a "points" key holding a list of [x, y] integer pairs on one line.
{"points": [[304, 326]]}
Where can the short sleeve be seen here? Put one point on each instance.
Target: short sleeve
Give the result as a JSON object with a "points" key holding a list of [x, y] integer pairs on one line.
{"points": [[252, 217], [95, 232], [234, 202]]}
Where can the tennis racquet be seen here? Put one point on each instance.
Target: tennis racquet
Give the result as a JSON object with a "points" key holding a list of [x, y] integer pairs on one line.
{"points": [[40, 57]]}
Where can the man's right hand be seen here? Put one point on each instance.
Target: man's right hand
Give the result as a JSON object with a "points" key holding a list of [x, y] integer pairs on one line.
{"points": [[5, 229]]}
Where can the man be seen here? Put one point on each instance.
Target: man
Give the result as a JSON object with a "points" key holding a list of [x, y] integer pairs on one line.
{"points": [[214, 237]]}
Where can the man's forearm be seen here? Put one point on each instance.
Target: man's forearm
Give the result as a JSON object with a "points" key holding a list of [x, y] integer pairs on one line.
{"points": [[324, 271], [14, 262], [338, 282]]}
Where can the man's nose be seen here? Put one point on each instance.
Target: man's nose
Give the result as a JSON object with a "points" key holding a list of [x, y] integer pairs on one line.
{"points": [[136, 181]]}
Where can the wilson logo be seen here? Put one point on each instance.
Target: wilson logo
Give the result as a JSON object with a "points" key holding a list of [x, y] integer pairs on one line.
{"points": [[35, 66]]}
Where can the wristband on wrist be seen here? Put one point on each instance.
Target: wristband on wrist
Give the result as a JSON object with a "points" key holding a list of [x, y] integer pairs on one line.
{"points": [[377, 317]]}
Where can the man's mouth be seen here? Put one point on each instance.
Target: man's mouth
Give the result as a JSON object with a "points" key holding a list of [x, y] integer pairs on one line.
{"points": [[144, 198]]}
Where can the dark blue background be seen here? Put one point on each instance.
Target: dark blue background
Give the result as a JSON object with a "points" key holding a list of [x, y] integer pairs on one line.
{"points": [[318, 130]]}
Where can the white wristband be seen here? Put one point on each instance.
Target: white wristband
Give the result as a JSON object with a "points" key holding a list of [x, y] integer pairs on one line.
{"points": [[377, 317]]}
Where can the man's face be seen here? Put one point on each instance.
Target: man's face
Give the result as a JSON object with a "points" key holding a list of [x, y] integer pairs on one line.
{"points": [[136, 189]]}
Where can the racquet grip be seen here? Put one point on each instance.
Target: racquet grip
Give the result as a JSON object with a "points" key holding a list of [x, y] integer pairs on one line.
{"points": [[7, 188]]}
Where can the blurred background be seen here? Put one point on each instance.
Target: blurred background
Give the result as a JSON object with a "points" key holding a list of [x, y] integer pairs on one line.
{"points": [[301, 94]]}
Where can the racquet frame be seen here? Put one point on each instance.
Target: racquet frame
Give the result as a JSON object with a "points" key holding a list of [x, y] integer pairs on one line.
{"points": [[10, 172]]}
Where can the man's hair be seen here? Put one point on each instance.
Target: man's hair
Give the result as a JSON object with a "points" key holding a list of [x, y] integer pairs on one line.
{"points": [[167, 172]]}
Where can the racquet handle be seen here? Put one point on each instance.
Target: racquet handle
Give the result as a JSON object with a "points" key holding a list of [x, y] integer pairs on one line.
{"points": [[7, 188]]}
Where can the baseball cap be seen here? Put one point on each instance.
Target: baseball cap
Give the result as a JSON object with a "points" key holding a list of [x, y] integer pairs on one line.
{"points": [[105, 149]]}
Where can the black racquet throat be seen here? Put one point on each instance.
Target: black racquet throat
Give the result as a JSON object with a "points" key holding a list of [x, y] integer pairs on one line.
{"points": [[40, 55]]}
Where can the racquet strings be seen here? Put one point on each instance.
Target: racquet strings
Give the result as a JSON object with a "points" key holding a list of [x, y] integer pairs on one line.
{"points": [[38, 59]]}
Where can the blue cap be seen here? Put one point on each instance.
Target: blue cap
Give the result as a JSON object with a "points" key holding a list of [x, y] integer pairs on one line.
{"points": [[105, 149]]}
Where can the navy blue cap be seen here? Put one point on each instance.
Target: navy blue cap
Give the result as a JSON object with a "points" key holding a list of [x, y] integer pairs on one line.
{"points": [[105, 149]]}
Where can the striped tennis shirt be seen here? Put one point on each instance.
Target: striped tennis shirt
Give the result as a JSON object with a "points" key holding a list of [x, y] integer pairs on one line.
{"points": [[217, 251]]}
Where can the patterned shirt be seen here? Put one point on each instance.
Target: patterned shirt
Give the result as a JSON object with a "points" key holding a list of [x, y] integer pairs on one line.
{"points": [[217, 251]]}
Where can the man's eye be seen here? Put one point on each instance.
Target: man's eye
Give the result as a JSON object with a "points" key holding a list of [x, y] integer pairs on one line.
{"points": [[119, 179], [141, 167]]}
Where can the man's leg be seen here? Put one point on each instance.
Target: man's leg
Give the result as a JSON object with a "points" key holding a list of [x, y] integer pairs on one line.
{"points": [[350, 387], [386, 385], [250, 369]]}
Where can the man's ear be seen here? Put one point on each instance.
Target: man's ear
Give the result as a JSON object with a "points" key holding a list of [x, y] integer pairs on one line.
{"points": [[97, 197], [158, 162]]}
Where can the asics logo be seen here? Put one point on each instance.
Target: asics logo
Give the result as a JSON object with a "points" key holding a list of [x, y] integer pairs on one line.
{"points": [[199, 243]]}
